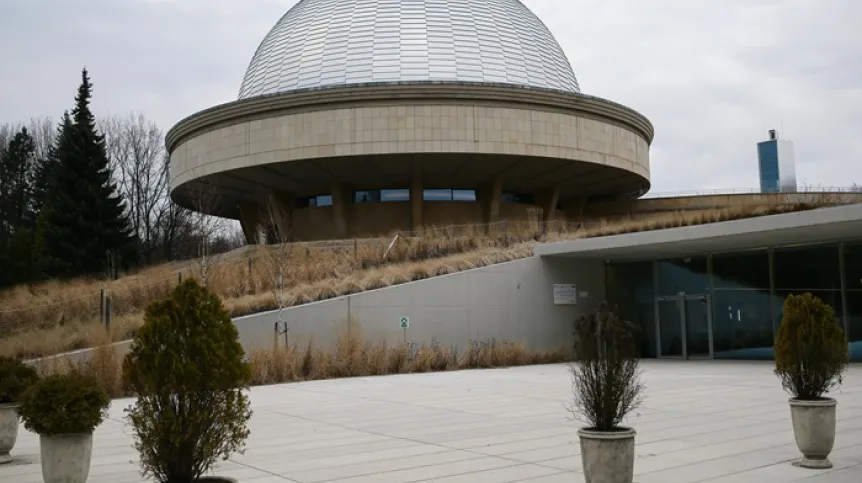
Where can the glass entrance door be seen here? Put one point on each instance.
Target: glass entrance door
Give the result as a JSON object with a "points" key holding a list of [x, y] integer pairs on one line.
{"points": [[684, 326], [698, 330]]}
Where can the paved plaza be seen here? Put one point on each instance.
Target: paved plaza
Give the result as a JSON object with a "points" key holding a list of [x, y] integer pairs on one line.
{"points": [[702, 421]]}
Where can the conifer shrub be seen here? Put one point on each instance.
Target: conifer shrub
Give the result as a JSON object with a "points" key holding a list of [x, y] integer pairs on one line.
{"points": [[64, 404], [187, 367], [15, 378], [605, 369], [810, 348]]}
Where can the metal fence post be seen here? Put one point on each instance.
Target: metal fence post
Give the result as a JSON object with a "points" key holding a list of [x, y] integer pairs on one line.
{"points": [[102, 305], [108, 314]]}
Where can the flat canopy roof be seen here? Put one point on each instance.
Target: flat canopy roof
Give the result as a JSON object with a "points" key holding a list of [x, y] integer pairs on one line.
{"points": [[801, 227]]}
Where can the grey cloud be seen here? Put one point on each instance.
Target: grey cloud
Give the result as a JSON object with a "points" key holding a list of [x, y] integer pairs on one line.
{"points": [[712, 76]]}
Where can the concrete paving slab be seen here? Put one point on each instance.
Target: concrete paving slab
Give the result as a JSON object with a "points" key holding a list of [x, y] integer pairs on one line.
{"points": [[718, 421]]}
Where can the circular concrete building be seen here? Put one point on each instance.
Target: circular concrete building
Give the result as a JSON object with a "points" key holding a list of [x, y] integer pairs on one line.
{"points": [[361, 117]]}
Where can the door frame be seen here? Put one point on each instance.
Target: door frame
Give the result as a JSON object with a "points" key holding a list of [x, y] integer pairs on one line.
{"points": [[681, 298]]}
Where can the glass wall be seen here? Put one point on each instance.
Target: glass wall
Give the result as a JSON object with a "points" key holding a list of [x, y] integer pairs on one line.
{"points": [[815, 269], [853, 283], [767, 154], [688, 275], [630, 287], [747, 292], [741, 306]]}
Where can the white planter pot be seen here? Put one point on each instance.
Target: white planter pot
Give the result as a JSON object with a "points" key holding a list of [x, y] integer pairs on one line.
{"points": [[66, 457], [8, 430], [814, 429], [216, 479], [608, 456]]}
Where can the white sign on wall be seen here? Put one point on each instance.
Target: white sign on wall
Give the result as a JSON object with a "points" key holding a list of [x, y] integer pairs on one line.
{"points": [[565, 294]]}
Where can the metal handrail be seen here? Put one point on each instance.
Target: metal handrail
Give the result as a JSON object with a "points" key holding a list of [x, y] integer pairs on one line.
{"points": [[741, 191]]}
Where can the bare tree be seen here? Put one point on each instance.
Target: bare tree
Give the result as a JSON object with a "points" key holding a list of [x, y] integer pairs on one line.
{"points": [[278, 258], [136, 149], [44, 133], [205, 230]]}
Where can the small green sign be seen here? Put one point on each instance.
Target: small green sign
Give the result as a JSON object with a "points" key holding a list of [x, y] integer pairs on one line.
{"points": [[405, 322]]}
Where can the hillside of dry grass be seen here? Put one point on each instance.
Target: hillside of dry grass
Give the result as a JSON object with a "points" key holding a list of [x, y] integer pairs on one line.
{"points": [[54, 317]]}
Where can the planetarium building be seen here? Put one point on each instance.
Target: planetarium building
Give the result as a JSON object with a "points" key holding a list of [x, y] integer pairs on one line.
{"points": [[361, 117]]}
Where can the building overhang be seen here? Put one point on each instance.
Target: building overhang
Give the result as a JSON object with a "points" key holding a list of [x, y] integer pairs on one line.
{"points": [[386, 135], [803, 227]]}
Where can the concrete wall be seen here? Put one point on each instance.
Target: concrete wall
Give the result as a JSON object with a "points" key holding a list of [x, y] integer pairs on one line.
{"points": [[511, 301], [409, 129], [508, 302]]}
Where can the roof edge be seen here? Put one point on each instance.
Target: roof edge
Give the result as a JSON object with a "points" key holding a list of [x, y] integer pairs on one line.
{"points": [[330, 97]]}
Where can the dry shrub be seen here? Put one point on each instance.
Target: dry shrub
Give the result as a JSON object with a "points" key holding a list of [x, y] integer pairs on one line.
{"points": [[351, 357], [274, 366], [105, 363]]}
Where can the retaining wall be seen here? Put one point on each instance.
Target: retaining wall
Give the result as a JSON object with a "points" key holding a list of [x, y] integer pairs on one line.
{"points": [[511, 302]]}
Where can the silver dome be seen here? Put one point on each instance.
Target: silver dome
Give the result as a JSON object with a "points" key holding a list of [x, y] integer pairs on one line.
{"points": [[320, 43]]}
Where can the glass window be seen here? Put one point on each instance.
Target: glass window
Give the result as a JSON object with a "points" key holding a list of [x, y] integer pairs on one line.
{"points": [[630, 288], [742, 324], [813, 269], [395, 195], [464, 195], [807, 268], [322, 200], [741, 311], [371, 196], [437, 195], [688, 275], [767, 153], [853, 281]]}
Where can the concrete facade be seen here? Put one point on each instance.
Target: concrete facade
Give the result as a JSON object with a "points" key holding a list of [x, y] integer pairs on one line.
{"points": [[511, 302], [551, 145]]}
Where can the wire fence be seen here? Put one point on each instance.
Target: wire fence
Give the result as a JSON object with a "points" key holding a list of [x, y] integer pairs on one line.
{"points": [[749, 191]]}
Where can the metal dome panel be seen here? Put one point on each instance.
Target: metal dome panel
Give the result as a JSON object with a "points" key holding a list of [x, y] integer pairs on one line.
{"points": [[321, 43]]}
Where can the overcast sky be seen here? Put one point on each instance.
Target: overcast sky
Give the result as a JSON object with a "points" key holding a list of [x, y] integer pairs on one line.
{"points": [[712, 75]]}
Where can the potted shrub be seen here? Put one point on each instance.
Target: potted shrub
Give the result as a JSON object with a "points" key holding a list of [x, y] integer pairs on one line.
{"points": [[810, 357], [64, 410], [606, 387], [187, 367], [15, 378]]}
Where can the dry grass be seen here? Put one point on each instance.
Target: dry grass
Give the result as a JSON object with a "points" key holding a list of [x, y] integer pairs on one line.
{"points": [[352, 356], [55, 316]]}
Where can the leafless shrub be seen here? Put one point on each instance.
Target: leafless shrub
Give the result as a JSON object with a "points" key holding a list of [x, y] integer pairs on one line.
{"points": [[605, 375]]}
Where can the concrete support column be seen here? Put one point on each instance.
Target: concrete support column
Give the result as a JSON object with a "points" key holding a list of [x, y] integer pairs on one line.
{"points": [[547, 200], [280, 213], [340, 209], [491, 201], [417, 198], [250, 221]]}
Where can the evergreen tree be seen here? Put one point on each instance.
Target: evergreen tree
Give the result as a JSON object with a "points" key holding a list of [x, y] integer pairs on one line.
{"points": [[16, 169], [83, 220]]}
